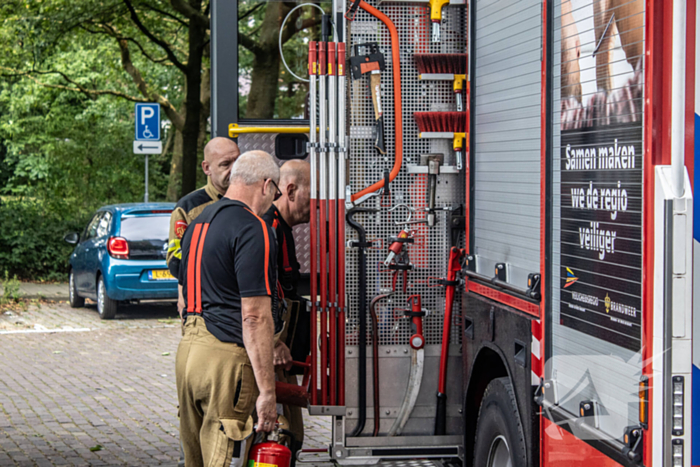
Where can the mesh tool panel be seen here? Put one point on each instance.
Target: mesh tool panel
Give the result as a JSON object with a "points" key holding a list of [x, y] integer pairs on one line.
{"points": [[429, 253]]}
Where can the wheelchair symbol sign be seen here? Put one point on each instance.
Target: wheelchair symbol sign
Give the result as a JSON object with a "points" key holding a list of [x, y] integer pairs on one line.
{"points": [[147, 122]]}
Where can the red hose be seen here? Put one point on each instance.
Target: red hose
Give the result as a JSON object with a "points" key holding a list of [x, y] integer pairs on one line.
{"points": [[398, 112]]}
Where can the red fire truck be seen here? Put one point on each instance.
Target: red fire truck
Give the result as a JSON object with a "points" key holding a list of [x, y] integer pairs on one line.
{"points": [[500, 256]]}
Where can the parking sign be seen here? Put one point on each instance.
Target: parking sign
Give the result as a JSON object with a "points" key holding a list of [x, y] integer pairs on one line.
{"points": [[147, 122]]}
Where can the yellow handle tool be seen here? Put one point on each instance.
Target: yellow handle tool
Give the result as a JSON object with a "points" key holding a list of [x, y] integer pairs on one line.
{"points": [[458, 144], [436, 16], [457, 87]]}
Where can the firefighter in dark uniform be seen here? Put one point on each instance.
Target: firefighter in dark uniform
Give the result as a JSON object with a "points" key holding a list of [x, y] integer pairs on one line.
{"points": [[224, 366], [292, 208], [219, 156]]}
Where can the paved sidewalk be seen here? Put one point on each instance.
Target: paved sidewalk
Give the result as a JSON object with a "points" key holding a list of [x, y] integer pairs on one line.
{"points": [[102, 394], [59, 316], [57, 291]]}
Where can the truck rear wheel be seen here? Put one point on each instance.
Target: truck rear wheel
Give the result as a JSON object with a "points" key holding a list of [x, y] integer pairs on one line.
{"points": [[500, 441]]}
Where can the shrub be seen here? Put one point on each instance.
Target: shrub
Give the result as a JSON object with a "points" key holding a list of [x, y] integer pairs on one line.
{"points": [[10, 289], [31, 239]]}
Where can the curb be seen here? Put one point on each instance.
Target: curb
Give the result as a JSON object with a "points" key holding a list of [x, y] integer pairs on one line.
{"points": [[54, 298], [54, 293]]}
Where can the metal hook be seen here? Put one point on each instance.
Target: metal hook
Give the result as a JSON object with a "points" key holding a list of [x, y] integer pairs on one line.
{"points": [[410, 211]]}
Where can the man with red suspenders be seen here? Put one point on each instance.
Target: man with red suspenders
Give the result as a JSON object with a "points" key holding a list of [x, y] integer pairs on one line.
{"points": [[228, 277], [293, 208]]}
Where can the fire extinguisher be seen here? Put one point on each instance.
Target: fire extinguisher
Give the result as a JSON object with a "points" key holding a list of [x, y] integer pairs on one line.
{"points": [[270, 453]]}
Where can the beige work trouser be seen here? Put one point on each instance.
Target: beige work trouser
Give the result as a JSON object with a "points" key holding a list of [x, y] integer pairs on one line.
{"points": [[217, 392]]}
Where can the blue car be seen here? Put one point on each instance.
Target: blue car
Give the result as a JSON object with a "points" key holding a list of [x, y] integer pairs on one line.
{"points": [[120, 256]]}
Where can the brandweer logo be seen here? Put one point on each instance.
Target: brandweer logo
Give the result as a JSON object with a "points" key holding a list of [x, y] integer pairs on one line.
{"points": [[570, 278]]}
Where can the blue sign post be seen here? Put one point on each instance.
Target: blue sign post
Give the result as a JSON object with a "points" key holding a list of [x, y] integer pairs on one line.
{"points": [[147, 138], [147, 122]]}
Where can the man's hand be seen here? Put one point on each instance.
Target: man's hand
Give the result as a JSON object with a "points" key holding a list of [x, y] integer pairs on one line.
{"points": [[180, 301], [266, 407], [282, 356]]}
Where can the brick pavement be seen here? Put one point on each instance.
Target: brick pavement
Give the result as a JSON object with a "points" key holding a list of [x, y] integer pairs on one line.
{"points": [[42, 316], [113, 385]]}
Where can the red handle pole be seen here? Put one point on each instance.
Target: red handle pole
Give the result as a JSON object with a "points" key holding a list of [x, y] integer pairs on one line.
{"points": [[313, 222], [323, 226], [341, 62], [312, 60], [340, 215], [453, 268], [332, 222]]}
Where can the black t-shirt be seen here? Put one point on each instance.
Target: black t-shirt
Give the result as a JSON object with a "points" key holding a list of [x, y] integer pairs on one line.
{"points": [[238, 257], [287, 265], [299, 332]]}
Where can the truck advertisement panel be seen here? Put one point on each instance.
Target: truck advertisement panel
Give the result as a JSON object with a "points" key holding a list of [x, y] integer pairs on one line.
{"points": [[601, 170]]}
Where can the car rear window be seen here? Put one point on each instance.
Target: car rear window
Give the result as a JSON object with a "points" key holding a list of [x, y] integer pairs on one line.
{"points": [[145, 228]]}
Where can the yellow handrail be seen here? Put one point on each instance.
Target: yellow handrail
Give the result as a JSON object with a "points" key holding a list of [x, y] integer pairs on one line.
{"points": [[234, 130]]}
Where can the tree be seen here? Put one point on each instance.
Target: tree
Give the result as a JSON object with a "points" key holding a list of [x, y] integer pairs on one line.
{"points": [[161, 47], [259, 33]]}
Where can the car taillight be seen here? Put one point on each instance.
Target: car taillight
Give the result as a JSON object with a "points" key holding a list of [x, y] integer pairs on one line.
{"points": [[118, 248]]}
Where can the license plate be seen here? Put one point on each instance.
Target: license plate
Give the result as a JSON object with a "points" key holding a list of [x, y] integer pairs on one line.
{"points": [[160, 275]]}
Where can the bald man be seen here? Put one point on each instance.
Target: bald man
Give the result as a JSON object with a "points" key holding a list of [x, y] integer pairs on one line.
{"points": [[224, 365], [219, 156], [292, 208]]}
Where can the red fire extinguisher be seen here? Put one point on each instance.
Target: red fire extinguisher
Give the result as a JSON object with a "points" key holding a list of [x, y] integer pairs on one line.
{"points": [[270, 453]]}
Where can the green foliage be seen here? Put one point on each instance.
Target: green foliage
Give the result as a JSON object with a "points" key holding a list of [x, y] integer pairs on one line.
{"points": [[10, 289], [31, 240], [66, 124], [68, 155]]}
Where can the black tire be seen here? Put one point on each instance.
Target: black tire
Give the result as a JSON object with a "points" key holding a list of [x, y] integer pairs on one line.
{"points": [[106, 307], [500, 441], [75, 300]]}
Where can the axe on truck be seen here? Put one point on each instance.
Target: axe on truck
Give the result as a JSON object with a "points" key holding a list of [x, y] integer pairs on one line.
{"points": [[372, 63]]}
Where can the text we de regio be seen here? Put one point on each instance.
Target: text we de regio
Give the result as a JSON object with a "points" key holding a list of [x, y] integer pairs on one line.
{"points": [[615, 157]]}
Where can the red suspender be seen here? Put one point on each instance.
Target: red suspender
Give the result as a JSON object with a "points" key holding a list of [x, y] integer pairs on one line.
{"points": [[194, 269], [198, 270], [267, 251], [191, 268]]}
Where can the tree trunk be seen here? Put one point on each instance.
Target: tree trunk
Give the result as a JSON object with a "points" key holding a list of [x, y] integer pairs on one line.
{"points": [[266, 64], [193, 105], [203, 139], [173, 193]]}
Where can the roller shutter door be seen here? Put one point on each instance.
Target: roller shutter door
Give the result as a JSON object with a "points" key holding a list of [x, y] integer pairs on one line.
{"points": [[506, 137]]}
